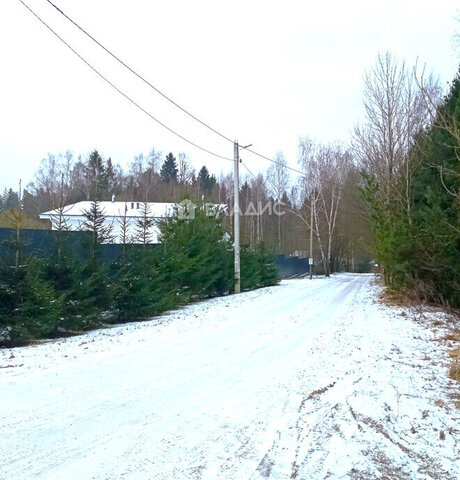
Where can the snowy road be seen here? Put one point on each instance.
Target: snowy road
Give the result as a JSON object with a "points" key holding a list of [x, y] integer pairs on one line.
{"points": [[213, 391]]}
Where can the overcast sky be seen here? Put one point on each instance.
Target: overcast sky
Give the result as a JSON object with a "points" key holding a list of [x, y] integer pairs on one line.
{"points": [[262, 72]]}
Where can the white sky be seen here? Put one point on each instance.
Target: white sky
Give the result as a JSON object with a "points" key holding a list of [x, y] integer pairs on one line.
{"points": [[262, 72]]}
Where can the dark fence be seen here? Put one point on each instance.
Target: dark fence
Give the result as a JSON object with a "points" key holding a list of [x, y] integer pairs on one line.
{"points": [[291, 266], [43, 242]]}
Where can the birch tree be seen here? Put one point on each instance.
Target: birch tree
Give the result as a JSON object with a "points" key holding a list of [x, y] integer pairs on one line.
{"points": [[321, 192], [386, 145], [278, 178]]}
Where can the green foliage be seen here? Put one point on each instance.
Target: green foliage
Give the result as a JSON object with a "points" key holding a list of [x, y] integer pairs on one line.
{"points": [[56, 294], [419, 247], [197, 255], [269, 273], [436, 186], [258, 268], [29, 306], [205, 181], [138, 288], [92, 294]]}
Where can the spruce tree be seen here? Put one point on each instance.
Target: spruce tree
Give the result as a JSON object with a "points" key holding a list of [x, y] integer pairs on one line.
{"points": [[169, 169], [95, 224], [436, 205], [96, 176], [206, 182], [144, 225], [29, 305], [10, 199], [196, 253], [93, 286]]}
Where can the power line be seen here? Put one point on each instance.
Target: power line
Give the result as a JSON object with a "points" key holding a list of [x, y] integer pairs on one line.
{"points": [[139, 76], [267, 179], [277, 163], [127, 97], [247, 168], [151, 86]]}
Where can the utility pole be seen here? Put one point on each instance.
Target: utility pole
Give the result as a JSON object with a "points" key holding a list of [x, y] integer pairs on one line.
{"points": [[310, 260], [236, 211]]}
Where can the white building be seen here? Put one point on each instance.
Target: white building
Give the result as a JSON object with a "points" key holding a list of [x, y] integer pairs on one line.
{"points": [[114, 212]]}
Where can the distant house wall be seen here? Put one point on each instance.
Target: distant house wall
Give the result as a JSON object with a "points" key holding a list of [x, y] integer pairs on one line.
{"points": [[7, 220], [114, 213], [75, 222]]}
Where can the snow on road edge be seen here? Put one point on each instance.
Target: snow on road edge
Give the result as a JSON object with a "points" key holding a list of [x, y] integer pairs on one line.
{"points": [[372, 399], [376, 401]]}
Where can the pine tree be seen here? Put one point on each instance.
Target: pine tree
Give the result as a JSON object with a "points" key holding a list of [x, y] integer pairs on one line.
{"points": [[436, 205], [206, 182], [169, 169]]}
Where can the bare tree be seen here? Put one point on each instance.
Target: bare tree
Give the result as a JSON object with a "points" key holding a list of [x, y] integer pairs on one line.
{"points": [[396, 111], [53, 177], [186, 171], [278, 179], [154, 160], [387, 144], [319, 194]]}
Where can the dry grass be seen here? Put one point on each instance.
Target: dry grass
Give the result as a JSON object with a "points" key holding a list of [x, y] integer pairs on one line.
{"points": [[393, 298], [454, 371]]}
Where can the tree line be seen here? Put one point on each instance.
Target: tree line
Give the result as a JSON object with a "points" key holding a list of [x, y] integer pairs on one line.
{"points": [[274, 206], [408, 150]]}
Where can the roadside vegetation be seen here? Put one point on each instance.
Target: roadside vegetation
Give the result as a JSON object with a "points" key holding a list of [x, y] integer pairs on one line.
{"points": [[409, 150], [63, 294], [387, 200]]}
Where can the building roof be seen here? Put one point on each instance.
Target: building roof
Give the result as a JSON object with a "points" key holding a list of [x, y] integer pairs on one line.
{"points": [[116, 209]]}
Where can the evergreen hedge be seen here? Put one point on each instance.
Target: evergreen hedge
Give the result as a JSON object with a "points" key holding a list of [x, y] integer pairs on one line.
{"points": [[56, 294]]}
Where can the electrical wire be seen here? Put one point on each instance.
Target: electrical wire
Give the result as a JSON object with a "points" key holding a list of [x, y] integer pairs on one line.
{"points": [[127, 97], [247, 168], [273, 191], [151, 86], [277, 163], [139, 76]]}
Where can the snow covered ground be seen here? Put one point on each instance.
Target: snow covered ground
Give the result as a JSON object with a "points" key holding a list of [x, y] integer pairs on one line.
{"points": [[308, 380]]}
